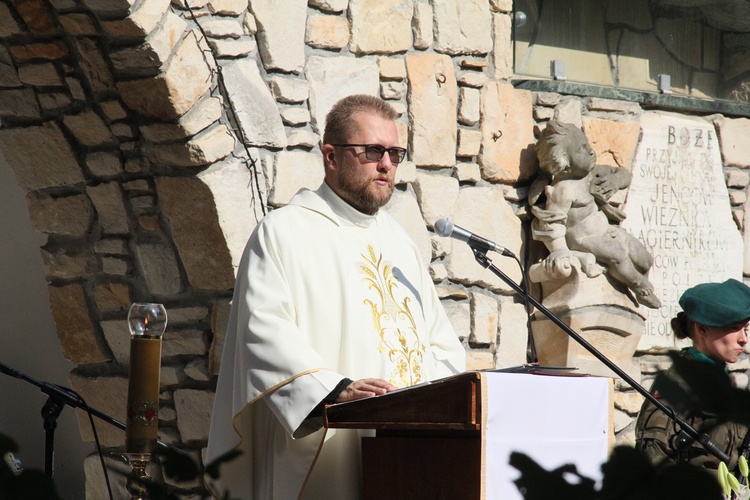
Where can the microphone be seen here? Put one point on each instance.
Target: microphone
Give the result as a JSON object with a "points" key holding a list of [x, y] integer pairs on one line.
{"points": [[444, 227]]}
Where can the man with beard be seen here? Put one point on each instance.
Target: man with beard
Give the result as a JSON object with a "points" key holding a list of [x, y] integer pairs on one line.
{"points": [[332, 303]]}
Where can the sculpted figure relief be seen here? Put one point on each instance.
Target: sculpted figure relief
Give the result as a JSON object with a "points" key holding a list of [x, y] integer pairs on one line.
{"points": [[574, 221]]}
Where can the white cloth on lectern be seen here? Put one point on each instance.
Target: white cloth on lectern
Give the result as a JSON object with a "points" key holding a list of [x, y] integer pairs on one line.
{"points": [[323, 292]]}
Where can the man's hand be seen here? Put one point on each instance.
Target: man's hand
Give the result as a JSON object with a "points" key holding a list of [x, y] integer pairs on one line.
{"points": [[365, 388]]}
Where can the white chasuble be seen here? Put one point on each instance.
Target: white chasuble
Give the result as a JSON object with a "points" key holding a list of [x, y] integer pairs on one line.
{"points": [[323, 292]]}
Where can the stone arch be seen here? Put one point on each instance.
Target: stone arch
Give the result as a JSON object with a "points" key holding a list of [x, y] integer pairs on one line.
{"points": [[111, 112]]}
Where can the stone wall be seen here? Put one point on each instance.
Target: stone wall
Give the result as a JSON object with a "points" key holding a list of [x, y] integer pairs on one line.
{"points": [[151, 136]]}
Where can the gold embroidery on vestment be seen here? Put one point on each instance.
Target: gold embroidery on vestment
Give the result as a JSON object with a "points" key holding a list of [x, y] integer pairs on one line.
{"points": [[394, 322]]}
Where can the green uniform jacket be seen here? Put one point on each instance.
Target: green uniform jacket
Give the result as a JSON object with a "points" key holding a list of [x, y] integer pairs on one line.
{"points": [[655, 432]]}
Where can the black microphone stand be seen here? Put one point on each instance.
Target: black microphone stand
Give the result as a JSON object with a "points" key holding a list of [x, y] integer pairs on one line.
{"points": [[481, 257], [58, 398]]}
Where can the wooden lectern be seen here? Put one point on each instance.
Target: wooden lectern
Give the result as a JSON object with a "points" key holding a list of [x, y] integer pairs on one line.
{"points": [[451, 438]]}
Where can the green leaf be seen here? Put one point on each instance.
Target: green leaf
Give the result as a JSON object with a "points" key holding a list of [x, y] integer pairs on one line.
{"points": [[177, 464], [212, 469], [722, 474]]}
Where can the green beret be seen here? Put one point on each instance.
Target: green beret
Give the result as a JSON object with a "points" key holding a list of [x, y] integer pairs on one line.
{"points": [[717, 304]]}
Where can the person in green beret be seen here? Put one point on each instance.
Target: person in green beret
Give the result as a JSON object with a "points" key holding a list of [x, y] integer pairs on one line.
{"points": [[715, 317]]}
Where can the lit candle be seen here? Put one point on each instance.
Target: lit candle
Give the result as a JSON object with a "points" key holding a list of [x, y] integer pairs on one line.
{"points": [[147, 323]]}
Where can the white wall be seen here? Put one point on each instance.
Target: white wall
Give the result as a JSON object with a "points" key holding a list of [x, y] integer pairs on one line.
{"points": [[28, 343]]}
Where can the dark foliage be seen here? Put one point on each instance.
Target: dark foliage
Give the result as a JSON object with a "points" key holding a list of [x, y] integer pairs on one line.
{"points": [[28, 484]]}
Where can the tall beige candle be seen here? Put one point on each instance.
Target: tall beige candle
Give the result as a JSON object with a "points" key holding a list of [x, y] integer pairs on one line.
{"points": [[143, 394]]}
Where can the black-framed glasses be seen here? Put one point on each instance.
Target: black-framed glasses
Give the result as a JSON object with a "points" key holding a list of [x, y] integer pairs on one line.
{"points": [[374, 152]]}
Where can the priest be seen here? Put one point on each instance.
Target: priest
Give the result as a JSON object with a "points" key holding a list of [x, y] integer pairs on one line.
{"points": [[332, 303]]}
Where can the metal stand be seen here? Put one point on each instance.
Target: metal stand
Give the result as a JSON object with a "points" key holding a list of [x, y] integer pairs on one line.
{"points": [[702, 438], [58, 398], [50, 411]]}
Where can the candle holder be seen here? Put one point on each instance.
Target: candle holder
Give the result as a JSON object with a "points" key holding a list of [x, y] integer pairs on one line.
{"points": [[147, 323]]}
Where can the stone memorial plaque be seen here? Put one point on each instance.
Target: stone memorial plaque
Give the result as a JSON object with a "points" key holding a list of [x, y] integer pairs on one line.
{"points": [[678, 206]]}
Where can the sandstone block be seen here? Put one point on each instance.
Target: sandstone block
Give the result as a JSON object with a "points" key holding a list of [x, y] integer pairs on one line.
{"points": [[193, 413], [327, 32], [473, 79], [232, 48], [152, 53], [108, 394], [8, 73], [186, 78], [8, 25], [66, 216], [484, 210], [19, 103], [88, 129], [53, 102], [484, 319], [206, 147], [257, 114], [206, 112], [78, 24], [117, 335], [295, 170], [406, 172], [569, 111], [295, 116], [422, 26], [228, 7], [110, 208], [68, 264], [110, 9], [437, 194], [302, 138], [392, 68], [330, 5], [222, 27], [502, 50], [468, 172], [480, 360], [187, 342], [513, 336], [41, 50], [404, 208], [40, 157], [459, 314], [140, 21], [281, 33], [737, 178], [469, 142], [613, 142], [231, 182], [462, 26], [112, 297], [501, 5], [380, 26], [332, 78], [433, 97], [94, 66], [468, 110], [507, 127], [732, 132], [78, 338], [39, 75], [288, 90], [196, 370], [158, 265], [36, 15], [190, 209]]}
